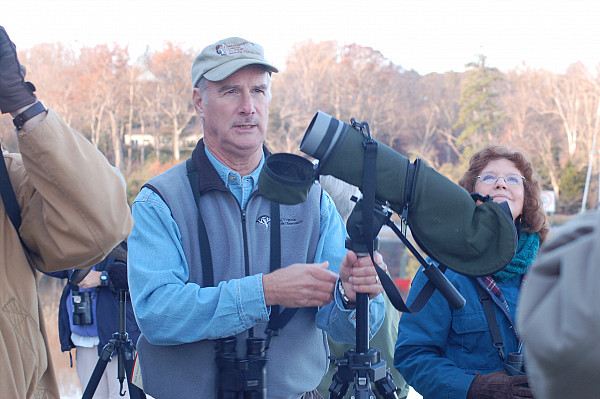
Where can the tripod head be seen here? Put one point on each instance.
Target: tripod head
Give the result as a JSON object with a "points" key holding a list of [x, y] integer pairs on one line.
{"points": [[356, 240]]}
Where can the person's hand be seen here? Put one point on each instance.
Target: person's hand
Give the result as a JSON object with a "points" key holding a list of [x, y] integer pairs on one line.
{"points": [[359, 275], [91, 280], [499, 385], [15, 93], [300, 285]]}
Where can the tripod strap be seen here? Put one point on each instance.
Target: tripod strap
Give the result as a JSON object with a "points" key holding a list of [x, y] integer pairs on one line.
{"points": [[369, 189]]}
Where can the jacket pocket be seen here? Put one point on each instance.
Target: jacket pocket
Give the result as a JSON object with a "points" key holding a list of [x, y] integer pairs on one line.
{"points": [[472, 341]]}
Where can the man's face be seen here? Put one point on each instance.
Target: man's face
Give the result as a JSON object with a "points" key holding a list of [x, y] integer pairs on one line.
{"points": [[235, 113]]}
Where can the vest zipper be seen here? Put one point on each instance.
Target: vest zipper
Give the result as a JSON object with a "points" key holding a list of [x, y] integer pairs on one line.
{"points": [[246, 261]]}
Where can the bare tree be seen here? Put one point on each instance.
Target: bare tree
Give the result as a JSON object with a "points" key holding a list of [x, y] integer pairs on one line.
{"points": [[574, 98], [299, 90], [171, 67]]}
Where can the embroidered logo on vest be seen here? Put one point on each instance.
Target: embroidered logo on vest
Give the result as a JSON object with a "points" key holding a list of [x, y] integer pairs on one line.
{"points": [[265, 220], [290, 221]]}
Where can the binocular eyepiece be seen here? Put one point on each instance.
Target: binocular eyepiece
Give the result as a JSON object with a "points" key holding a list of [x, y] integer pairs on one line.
{"points": [[241, 377], [82, 308]]}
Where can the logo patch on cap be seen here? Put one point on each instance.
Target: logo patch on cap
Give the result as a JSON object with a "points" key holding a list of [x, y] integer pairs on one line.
{"points": [[222, 49], [245, 47]]}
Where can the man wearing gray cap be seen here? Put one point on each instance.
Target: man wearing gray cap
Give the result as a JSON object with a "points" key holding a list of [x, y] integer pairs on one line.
{"points": [[215, 268]]}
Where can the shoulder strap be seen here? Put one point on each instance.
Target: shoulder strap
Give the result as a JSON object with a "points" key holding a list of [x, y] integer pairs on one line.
{"points": [[9, 198], [208, 278], [278, 319], [488, 308]]}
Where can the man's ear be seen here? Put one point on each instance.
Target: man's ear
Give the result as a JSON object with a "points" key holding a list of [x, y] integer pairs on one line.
{"points": [[197, 101]]}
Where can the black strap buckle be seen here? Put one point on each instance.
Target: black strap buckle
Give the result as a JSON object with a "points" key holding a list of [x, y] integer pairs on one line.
{"points": [[500, 347], [270, 334]]}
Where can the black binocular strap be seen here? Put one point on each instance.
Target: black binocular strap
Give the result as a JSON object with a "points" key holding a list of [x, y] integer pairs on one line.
{"points": [[208, 278], [9, 198], [488, 309], [278, 319]]}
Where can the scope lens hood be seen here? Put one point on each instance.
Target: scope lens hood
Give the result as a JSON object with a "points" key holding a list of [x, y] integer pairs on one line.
{"points": [[286, 178]]}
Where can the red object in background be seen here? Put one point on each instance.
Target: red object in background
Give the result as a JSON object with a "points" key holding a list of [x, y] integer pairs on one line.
{"points": [[403, 284]]}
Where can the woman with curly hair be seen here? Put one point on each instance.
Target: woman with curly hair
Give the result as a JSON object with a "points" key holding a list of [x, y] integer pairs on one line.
{"points": [[449, 353]]}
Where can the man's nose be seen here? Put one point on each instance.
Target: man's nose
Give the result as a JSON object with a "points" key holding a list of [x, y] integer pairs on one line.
{"points": [[246, 106]]}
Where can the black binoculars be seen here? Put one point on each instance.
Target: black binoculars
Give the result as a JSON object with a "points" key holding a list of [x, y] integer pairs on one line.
{"points": [[514, 364], [82, 308], [241, 377]]}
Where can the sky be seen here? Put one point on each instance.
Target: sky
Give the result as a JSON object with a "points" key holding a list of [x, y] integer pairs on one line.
{"points": [[422, 35]]}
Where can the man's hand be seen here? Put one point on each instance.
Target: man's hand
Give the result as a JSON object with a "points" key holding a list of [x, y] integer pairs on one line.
{"points": [[359, 275], [300, 285], [91, 280], [15, 93]]}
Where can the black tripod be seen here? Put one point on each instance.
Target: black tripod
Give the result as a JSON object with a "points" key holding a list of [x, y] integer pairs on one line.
{"points": [[124, 347], [362, 365]]}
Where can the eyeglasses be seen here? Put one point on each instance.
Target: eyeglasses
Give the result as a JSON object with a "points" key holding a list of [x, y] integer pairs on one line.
{"points": [[512, 179]]}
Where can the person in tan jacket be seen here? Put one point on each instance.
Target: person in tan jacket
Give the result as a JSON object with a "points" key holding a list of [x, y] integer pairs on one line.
{"points": [[73, 212]]}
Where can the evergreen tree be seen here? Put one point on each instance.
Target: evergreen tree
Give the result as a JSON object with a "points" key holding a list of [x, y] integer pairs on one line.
{"points": [[479, 116], [572, 182]]}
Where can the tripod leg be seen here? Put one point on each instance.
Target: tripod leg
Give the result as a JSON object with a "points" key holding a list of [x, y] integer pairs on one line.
{"points": [[103, 360], [362, 385], [134, 391], [386, 387], [339, 385]]}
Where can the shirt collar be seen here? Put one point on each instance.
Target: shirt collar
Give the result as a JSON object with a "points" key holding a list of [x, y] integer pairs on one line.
{"points": [[224, 172]]}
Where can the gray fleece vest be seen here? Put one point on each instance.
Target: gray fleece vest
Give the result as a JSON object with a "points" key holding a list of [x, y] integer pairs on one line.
{"points": [[297, 358]]}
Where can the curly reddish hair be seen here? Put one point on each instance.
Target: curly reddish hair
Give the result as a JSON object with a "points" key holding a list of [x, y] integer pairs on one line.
{"points": [[533, 218]]}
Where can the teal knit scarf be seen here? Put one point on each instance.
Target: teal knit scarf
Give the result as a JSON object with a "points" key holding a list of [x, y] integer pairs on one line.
{"points": [[527, 249]]}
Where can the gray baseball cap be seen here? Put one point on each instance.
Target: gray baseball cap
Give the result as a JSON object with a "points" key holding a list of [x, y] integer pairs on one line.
{"points": [[221, 59]]}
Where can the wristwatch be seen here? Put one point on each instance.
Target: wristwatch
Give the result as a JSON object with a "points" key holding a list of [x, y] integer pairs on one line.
{"points": [[35, 109], [104, 279], [342, 292]]}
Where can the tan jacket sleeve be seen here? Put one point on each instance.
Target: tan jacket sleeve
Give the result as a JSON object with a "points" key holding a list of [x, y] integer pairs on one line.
{"points": [[559, 313], [73, 202]]}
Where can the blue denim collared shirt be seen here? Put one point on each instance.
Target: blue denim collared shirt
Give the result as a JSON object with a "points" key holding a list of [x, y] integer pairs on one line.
{"points": [[188, 307]]}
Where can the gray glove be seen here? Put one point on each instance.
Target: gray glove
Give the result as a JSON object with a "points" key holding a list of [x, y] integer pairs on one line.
{"points": [[15, 93], [499, 385]]}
